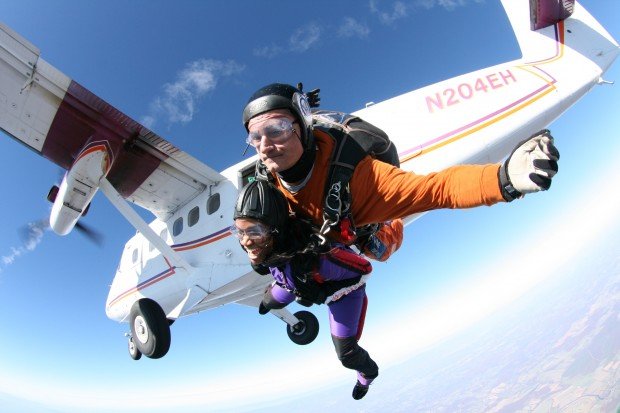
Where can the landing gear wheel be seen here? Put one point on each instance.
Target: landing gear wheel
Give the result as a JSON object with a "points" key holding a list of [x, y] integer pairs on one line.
{"points": [[150, 330], [306, 330], [134, 353]]}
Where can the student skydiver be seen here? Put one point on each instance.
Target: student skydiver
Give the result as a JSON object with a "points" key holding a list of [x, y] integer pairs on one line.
{"points": [[335, 277]]}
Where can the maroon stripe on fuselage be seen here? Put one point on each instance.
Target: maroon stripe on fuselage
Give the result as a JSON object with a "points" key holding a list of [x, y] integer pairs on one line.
{"points": [[83, 117]]}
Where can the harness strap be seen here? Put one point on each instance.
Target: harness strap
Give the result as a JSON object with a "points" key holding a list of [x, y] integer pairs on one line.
{"points": [[350, 260], [346, 155]]}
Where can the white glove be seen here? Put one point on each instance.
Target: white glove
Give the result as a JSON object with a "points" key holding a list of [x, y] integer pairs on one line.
{"points": [[530, 166]]}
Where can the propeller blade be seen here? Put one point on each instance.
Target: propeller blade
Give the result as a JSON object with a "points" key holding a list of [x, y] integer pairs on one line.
{"points": [[90, 233]]}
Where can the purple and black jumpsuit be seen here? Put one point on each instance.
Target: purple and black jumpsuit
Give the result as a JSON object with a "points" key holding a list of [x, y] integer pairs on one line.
{"points": [[341, 274]]}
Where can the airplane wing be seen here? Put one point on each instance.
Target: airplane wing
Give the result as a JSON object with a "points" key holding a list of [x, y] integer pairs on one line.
{"points": [[64, 122]]}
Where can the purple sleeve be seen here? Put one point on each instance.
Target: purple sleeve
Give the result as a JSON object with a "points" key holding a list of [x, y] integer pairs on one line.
{"points": [[277, 275], [283, 277], [281, 295]]}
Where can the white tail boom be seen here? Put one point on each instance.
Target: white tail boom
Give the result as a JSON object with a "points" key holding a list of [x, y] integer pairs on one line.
{"points": [[480, 116]]}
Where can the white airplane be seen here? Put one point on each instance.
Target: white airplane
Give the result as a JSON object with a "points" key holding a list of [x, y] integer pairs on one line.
{"points": [[186, 260]]}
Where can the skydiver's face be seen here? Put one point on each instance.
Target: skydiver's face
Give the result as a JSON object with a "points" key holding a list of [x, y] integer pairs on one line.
{"points": [[278, 154], [255, 238]]}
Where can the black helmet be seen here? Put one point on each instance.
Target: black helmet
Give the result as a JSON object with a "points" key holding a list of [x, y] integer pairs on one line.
{"points": [[280, 96], [261, 200]]}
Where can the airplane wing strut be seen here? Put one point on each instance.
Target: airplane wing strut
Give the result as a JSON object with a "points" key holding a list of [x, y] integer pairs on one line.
{"points": [[134, 219]]}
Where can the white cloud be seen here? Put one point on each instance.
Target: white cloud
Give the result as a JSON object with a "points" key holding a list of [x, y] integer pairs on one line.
{"points": [[34, 235], [352, 28], [301, 40], [304, 37], [307, 36], [451, 4], [178, 103], [446, 4], [398, 11], [10, 259], [425, 4], [147, 121], [267, 51]]}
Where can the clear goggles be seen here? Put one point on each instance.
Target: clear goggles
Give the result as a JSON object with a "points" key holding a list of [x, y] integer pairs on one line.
{"points": [[277, 130], [255, 233]]}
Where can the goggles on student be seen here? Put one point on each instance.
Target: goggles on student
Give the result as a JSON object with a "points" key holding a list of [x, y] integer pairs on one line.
{"points": [[277, 130], [254, 233]]}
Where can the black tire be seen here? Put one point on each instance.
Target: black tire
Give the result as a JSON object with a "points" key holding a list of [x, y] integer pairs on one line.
{"points": [[306, 330], [150, 329], [134, 353]]}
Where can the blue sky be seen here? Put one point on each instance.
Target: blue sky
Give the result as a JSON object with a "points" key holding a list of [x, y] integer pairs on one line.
{"points": [[186, 68]]}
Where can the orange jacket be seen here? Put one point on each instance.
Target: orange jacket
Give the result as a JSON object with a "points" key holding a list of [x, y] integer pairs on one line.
{"points": [[381, 192]]}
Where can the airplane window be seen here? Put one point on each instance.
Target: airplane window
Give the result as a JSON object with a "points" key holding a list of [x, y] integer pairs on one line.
{"points": [[134, 256], [213, 203], [192, 217], [177, 227]]}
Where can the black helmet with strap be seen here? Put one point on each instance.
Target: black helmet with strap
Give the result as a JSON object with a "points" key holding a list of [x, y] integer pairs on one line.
{"points": [[281, 96], [264, 202]]}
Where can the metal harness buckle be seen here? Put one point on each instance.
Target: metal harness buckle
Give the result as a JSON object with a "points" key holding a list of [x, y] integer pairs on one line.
{"points": [[327, 224], [334, 193]]}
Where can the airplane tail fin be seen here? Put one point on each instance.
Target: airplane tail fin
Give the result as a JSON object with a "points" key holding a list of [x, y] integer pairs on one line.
{"points": [[559, 22]]}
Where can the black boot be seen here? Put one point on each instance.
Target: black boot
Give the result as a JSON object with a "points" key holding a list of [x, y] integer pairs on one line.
{"points": [[262, 310], [359, 390]]}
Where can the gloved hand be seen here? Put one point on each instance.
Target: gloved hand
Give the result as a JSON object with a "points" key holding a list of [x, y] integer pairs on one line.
{"points": [[314, 100], [264, 307], [530, 166]]}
